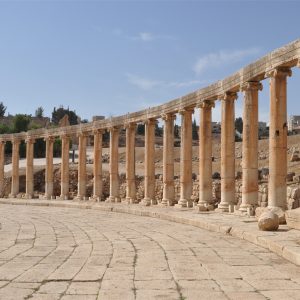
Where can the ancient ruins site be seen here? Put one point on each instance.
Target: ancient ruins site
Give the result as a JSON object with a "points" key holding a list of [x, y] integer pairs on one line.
{"points": [[154, 217]]}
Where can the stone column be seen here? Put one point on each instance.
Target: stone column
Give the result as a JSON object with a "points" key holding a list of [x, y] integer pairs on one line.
{"points": [[29, 167], [2, 163], [15, 168], [97, 166], [168, 161], [65, 157], [149, 196], [205, 156], [278, 138], [130, 163], [227, 152], [49, 168], [250, 145], [114, 193], [81, 186], [186, 153]]}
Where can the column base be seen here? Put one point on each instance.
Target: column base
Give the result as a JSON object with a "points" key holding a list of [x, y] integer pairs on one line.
{"points": [[12, 196], [223, 207], [146, 202], [95, 198], [112, 199], [184, 203], [166, 202], [28, 196], [62, 197]]}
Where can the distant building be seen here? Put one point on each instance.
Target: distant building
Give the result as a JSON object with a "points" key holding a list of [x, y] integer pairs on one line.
{"points": [[294, 123], [97, 118]]}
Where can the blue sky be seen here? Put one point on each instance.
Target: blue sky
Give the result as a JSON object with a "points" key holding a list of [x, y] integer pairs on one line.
{"points": [[113, 57]]}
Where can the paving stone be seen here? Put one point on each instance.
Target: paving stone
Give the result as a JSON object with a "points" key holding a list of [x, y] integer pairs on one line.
{"points": [[67, 253]]}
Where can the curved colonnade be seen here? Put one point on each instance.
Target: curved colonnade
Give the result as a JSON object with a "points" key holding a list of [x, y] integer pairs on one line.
{"points": [[276, 66]]}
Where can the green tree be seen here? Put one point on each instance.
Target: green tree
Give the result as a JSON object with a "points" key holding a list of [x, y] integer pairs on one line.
{"points": [[2, 109], [39, 113], [21, 122], [59, 113], [140, 129], [239, 124], [176, 131], [195, 135]]}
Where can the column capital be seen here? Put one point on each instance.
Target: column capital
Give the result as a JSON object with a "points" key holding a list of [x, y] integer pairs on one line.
{"points": [[206, 104], [228, 96], [97, 131], [29, 140], [2, 141], [185, 110], [113, 128], [64, 135], [82, 134], [279, 72], [130, 125], [251, 85], [50, 138], [168, 116], [15, 141], [150, 121]]}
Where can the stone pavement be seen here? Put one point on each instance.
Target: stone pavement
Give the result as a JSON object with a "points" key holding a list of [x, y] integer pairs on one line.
{"points": [[66, 253]]}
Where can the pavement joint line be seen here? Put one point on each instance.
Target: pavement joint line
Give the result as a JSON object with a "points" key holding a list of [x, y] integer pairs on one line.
{"points": [[245, 228]]}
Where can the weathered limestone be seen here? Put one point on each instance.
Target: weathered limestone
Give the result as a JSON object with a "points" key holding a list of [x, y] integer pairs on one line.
{"points": [[49, 168], [2, 162], [15, 168], [186, 158], [114, 194], [268, 221], [293, 218], [97, 166], [278, 138], [29, 167], [250, 146], [205, 156], [65, 147], [130, 163], [227, 152], [168, 160], [81, 187], [149, 196]]}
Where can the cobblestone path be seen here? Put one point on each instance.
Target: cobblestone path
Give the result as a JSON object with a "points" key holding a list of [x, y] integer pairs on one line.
{"points": [[72, 254]]}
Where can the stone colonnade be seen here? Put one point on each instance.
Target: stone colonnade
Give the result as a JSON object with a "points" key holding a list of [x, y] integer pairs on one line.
{"points": [[250, 89]]}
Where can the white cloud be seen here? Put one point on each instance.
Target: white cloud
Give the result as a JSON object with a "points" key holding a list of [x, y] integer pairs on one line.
{"points": [[148, 84], [142, 83], [148, 37], [221, 58]]}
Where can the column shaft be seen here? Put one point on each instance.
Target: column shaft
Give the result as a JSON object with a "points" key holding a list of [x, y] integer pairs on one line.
{"points": [[168, 161], [29, 167], [49, 168], [205, 155], [15, 169], [278, 138], [97, 167], [250, 146], [149, 197], [114, 193], [65, 146], [81, 186], [186, 153], [2, 162], [227, 152], [130, 163]]}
